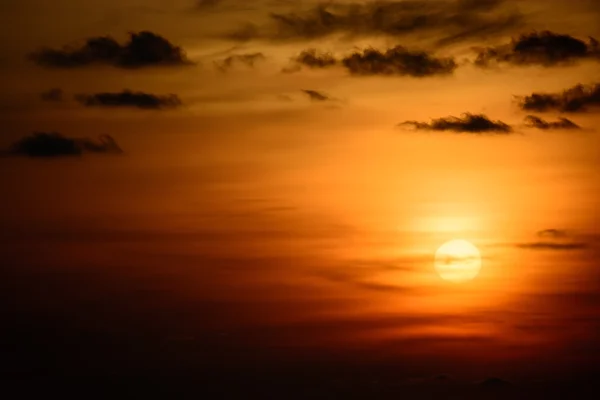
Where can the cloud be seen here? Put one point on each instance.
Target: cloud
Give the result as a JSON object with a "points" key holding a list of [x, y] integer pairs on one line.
{"points": [[398, 61], [52, 95], [539, 48], [563, 123], [316, 96], [553, 233], [284, 97], [373, 274], [314, 59], [249, 60], [553, 239], [468, 123], [52, 144], [225, 5], [579, 98], [394, 61], [552, 246], [143, 49], [448, 21], [127, 98]]}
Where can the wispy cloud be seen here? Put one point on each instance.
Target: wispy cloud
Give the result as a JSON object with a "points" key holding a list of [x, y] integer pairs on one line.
{"points": [[365, 274], [553, 233], [579, 98], [552, 246], [249, 60], [467, 123], [316, 95], [127, 98], [563, 123], [554, 240], [313, 58], [447, 21]]}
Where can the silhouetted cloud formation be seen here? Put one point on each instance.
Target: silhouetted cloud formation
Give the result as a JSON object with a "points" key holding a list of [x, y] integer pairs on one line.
{"points": [[52, 144], [397, 61], [249, 60], [141, 50], [448, 21], [314, 59], [394, 61], [52, 95], [128, 98], [576, 99], [316, 96], [539, 48], [468, 123], [563, 123]]}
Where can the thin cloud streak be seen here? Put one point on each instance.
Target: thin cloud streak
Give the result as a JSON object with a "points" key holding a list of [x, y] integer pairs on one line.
{"points": [[532, 121], [129, 98], [468, 123], [54, 144]]}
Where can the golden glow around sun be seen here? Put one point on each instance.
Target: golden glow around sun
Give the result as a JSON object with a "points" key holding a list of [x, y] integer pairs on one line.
{"points": [[457, 261]]}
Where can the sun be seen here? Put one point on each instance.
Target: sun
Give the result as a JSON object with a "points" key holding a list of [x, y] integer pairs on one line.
{"points": [[457, 261]]}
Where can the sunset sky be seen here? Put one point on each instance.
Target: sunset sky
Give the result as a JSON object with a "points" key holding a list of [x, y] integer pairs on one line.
{"points": [[279, 174]]}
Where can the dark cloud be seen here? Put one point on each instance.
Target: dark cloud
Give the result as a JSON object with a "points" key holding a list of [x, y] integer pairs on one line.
{"points": [[314, 59], [141, 50], [563, 123], [576, 99], [539, 48], [316, 96], [447, 21], [52, 95], [128, 98], [468, 123], [394, 61], [52, 144], [249, 60], [398, 61]]}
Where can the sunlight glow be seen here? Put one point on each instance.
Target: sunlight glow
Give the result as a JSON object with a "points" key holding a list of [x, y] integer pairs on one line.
{"points": [[457, 261]]}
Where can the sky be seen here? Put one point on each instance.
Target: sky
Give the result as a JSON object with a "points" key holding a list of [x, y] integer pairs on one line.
{"points": [[194, 185]]}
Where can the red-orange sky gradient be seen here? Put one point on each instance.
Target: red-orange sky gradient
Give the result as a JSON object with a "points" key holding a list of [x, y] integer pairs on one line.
{"points": [[271, 212]]}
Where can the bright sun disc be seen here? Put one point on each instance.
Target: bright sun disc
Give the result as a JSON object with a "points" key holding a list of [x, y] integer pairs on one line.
{"points": [[457, 261]]}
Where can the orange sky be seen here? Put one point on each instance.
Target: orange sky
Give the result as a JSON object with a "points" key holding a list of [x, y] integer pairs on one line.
{"points": [[253, 218]]}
